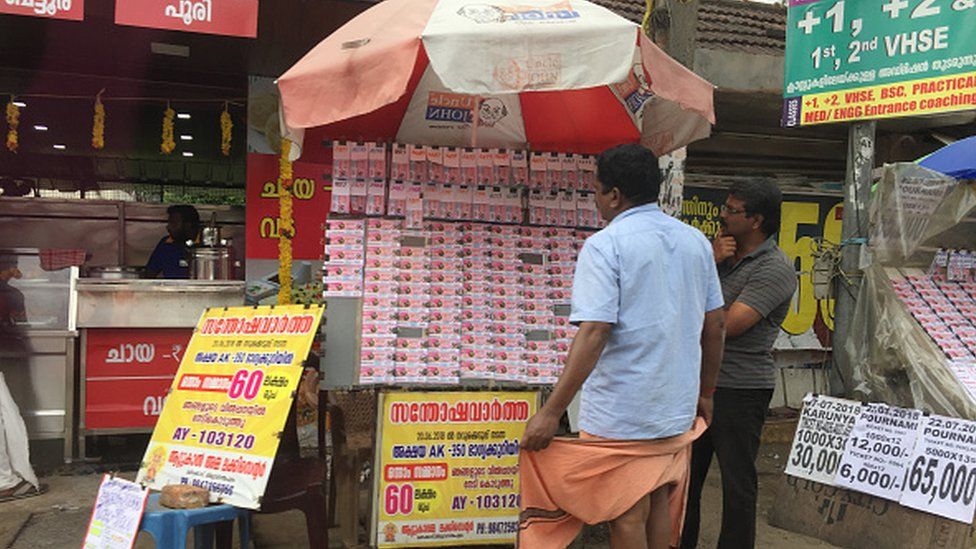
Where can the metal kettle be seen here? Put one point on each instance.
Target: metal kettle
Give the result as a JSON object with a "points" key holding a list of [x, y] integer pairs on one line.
{"points": [[212, 258]]}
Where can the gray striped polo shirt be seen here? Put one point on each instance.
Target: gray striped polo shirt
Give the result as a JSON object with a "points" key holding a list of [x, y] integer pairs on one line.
{"points": [[766, 281]]}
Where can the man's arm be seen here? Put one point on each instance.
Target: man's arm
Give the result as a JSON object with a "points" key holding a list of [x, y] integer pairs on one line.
{"points": [[740, 319], [773, 283], [583, 354], [713, 344]]}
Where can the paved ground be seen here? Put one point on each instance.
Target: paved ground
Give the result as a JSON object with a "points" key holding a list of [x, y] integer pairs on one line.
{"points": [[58, 518]]}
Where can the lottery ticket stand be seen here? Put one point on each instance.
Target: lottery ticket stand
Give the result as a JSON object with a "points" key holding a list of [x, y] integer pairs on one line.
{"points": [[893, 468], [443, 324]]}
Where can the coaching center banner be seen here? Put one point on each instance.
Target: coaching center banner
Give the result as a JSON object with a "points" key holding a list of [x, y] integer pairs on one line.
{"points": [[220, 426], [890, 58], [447, 471]]}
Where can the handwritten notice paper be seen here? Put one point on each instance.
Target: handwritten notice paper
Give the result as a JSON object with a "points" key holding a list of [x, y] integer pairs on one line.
{"points": [[115, 518]]}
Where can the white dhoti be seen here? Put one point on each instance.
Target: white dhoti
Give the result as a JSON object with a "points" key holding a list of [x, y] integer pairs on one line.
{"points": [[14, 453]]}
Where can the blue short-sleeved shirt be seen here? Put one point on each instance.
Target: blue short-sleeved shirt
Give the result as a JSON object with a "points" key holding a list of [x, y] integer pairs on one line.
{"points": [[170, 259], [654, 278]]}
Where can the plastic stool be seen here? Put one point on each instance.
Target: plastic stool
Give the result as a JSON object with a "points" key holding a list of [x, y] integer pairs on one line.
{"points": [[170, 526]]}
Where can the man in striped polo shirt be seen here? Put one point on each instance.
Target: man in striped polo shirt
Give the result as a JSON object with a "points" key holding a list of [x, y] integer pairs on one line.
{"points": [[758, 283]]}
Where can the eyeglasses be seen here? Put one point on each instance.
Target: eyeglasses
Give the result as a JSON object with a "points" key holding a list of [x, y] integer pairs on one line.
{"points": [[732, 211]]}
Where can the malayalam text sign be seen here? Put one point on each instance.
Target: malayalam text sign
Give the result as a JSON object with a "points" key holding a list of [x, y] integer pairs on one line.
{"points": [[311, 197], [127, 374], [229, 401], [848, 60], [447, 470], [226, 17], [71, 10]]}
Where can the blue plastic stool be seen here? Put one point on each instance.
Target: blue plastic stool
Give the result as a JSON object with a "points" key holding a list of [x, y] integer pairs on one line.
{"points": [[170, 526]]}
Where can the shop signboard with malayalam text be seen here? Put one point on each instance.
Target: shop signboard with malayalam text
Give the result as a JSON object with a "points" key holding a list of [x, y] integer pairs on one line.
{"points": [[311, 197], [447, 467], [227, 406], [127, 374], [851, 60], [71, 10], [806, 221], [225, 17]]}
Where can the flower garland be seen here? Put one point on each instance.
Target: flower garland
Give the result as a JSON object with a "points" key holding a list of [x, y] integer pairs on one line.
{"points": [[169, 144], [286, 224], [13, 120], [98, 124], [226, 125]]}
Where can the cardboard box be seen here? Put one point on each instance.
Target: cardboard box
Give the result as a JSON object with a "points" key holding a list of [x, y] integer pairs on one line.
{"points": [[854, 519]]}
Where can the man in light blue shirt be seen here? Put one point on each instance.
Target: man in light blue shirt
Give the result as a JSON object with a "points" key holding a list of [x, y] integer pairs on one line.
{"points": [[648, 303]]}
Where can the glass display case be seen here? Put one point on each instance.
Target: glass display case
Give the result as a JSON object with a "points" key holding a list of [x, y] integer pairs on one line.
{"points": [[44, 294], [37, 340]]}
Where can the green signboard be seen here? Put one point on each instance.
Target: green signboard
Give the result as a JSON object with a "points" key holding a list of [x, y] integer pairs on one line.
{"points": [[861, 59]]}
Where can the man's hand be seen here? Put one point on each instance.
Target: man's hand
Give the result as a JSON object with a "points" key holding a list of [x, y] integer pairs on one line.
{"points": [[539, 431], [705, 407], [723, 246]]}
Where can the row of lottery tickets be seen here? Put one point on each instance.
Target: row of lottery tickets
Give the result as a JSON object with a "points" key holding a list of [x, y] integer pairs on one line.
{"points": [[456, 301], [922, 461], [546, 171], [418, 183], [945, 309], [417, 202]]}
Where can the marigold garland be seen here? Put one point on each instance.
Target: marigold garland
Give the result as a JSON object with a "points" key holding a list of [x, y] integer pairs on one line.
{"points": [[226, 125], [13, 120], [98, 125], [169, 144], [286, 224]]}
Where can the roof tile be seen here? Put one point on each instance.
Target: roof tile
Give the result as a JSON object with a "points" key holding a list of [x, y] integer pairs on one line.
{"points": [[733, 25]]}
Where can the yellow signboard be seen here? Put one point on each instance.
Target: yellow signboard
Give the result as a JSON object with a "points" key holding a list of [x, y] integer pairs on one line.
{"points": [[447, 471], [934, 95], [229, 401]]}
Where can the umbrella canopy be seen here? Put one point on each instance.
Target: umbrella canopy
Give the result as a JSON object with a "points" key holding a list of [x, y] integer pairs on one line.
{"points": [[955, 160], [568, 76]]}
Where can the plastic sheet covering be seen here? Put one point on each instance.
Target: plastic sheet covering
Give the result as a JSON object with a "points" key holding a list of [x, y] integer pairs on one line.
{"points": [[914, 212], [913, 206], [894, 360]]}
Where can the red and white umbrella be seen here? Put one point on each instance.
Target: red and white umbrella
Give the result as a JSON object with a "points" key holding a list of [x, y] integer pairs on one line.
{"points": [[567, 76]]}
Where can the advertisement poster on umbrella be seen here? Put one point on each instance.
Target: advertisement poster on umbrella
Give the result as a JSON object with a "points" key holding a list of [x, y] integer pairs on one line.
{"points": [[447, 468], [220, 426]]}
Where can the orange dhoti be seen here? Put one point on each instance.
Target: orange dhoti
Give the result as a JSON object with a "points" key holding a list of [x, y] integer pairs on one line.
{"points": [[592, 480]]}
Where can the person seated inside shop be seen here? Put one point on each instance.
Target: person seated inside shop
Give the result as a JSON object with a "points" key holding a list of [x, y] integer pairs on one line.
{"points": [[171, 258]]}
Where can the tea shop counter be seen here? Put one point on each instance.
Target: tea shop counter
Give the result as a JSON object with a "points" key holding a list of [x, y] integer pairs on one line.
{"points": [[133, 336]]}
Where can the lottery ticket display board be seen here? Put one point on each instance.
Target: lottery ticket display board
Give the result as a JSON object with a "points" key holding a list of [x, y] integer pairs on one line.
{"points": [[229, 401], [926, 462], [447, 467]]}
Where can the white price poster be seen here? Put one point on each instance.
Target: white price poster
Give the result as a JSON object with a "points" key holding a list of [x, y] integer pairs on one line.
{"points": [[821, 434], [942, 469], [876, 456]]}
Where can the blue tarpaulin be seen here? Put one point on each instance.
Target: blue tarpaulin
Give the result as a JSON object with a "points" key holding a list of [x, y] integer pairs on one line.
{"points": [[956, 160]]}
